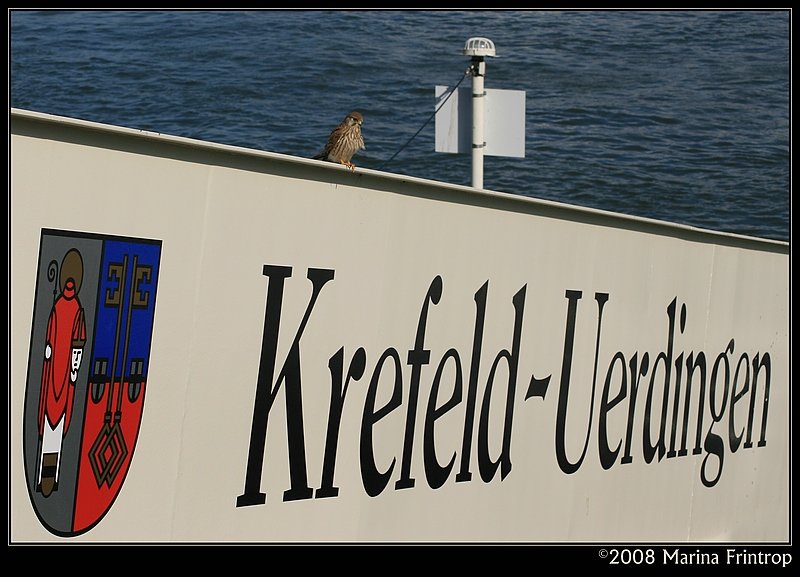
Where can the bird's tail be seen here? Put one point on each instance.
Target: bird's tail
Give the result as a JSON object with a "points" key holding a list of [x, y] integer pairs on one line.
{"points": [[320, 156]]}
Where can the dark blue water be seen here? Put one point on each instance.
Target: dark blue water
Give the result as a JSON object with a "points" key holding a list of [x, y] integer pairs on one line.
{"points": [[679, 116]]}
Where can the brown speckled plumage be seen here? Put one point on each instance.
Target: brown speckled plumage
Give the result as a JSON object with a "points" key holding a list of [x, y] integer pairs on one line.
{"points": [[345, 140]]}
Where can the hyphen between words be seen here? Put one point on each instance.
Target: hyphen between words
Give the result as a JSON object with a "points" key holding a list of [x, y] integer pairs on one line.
{"points": [[698, 392]]}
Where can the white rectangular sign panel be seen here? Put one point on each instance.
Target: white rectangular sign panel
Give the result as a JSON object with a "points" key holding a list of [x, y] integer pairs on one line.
{"points": [[504, 127]]}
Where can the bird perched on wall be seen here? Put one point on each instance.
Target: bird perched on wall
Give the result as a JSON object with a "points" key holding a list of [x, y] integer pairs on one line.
{"points": [[345, 140]]}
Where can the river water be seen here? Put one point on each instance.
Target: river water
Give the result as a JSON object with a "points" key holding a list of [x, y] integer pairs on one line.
{"points": [[681, 116]]}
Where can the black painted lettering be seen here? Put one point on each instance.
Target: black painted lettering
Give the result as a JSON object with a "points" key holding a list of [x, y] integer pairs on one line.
{"points": [[265, 393], [417, 357], [464, 473], [374, 481], [713, 443], [649, 449], [691, 365], [734, 439], [678, 373], [566, 368], [766, 364], [486, 465], [607, 455], [339, 385], [435, 473], [637, 372]]}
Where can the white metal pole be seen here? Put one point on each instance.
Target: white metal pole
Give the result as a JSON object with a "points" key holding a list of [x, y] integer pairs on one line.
{"points": [[478, 103]]}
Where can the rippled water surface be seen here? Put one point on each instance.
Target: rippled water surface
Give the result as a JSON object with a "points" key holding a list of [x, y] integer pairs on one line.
{"points": [[679, 116]]}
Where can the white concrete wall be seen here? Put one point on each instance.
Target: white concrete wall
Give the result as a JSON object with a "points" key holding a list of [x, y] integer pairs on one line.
{"points": [[394, 244]]}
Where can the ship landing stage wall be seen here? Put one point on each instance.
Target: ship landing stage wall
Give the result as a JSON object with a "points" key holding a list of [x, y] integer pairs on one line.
{"points": [[263, 348]]}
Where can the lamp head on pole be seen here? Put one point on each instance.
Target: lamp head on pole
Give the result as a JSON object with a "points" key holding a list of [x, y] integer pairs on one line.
{"points": [[479, 47]]}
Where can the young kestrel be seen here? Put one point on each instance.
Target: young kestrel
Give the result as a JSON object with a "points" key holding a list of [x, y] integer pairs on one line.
{"points": [[345, 140]]}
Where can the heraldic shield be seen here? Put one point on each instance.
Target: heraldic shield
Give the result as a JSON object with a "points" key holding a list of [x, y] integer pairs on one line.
{"points": [[87, 373]]}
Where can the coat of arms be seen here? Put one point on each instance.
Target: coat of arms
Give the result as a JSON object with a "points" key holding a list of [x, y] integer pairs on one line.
{"points": [[87, 373]]}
